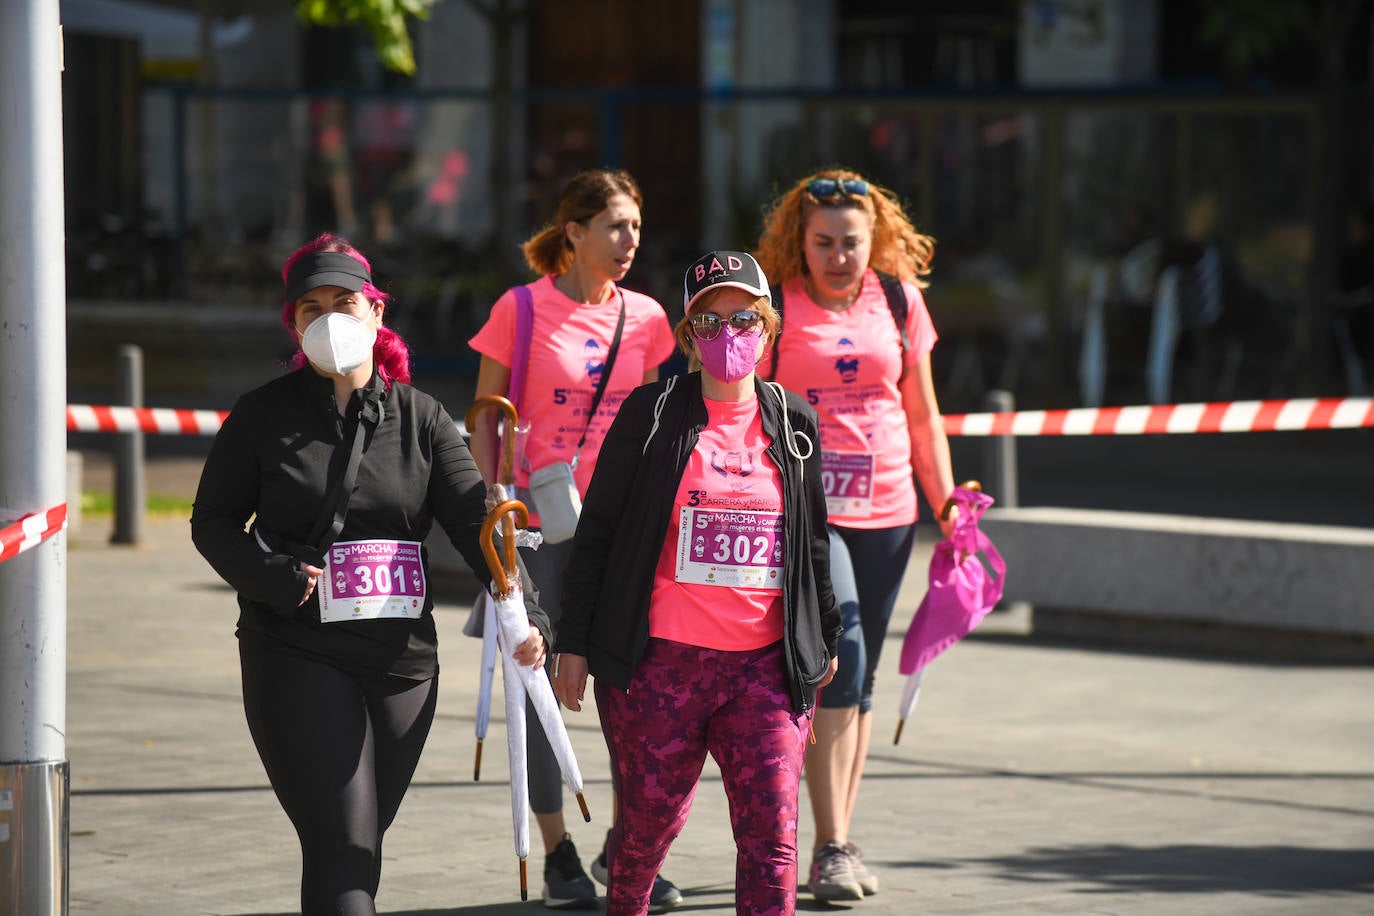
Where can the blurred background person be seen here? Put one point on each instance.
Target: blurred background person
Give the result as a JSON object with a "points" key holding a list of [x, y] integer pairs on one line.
{"points": [[856, 341], [588, 343]]}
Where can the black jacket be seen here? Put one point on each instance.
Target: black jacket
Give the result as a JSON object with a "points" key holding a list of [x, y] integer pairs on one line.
{"points": [[275, 457], [625, 518]]}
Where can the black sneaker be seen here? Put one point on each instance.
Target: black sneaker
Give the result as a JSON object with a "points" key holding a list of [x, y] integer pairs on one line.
{"points": [[566, 885], [662, 898]]}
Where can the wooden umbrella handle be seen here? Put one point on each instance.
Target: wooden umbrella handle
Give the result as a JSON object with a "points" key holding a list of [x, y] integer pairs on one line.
{"points": [[502, 574], [506, 474], [949, 503]]}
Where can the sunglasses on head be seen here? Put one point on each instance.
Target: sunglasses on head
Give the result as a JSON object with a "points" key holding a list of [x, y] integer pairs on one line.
{"points": [[825, 188], [706, 326]]}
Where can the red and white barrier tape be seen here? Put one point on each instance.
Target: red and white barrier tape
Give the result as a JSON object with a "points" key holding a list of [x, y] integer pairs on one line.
{"points": [[31, 530], [1216, 417], [1213, 417], [87, 419]]}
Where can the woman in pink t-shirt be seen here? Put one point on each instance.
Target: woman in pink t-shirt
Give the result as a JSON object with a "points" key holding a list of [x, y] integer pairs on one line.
{"points": [[698, 596], [856, 343], [581, 323]]}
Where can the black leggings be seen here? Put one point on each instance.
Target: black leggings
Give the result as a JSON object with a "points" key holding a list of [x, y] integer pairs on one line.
{"points": [[339, 750]]}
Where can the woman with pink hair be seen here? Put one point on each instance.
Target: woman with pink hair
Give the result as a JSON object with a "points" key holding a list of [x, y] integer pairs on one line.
{"points": [[343, 468]]}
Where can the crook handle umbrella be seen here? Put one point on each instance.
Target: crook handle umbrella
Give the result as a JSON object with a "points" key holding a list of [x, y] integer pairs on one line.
{"points": [[965, 582], [502, 574], [506, 588], [507, 472]]}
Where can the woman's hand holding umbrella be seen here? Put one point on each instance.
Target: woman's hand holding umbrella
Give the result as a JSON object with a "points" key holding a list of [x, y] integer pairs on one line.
{"points": [[530, 653]]}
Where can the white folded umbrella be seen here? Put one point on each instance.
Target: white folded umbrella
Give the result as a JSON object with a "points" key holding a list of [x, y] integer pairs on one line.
{"points": [[486, 611], [515, 747], [514, 627], [508, 625]]}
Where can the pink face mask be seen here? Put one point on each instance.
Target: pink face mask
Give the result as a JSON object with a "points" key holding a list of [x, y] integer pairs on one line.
{"points": [[731, 355]]}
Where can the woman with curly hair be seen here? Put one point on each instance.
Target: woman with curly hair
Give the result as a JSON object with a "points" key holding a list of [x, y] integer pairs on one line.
{"points": [[856, 343]]}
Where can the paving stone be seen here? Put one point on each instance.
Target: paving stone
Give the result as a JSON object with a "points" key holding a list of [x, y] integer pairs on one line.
{"points": [[1033, 777]]}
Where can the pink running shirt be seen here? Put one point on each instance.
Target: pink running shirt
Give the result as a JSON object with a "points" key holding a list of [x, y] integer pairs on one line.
{"points": [[718, 584], [568, 350], [847, 364]]}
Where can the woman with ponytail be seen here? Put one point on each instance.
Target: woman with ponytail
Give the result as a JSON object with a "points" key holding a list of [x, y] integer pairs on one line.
{"points": [[567, 349], [343, 468]]}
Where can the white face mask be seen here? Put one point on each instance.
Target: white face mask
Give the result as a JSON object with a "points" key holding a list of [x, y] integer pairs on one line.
{"points": [[337, 343]]}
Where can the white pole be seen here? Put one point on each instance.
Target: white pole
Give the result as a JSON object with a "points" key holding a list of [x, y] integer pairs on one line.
{"points": [[34, 826]]}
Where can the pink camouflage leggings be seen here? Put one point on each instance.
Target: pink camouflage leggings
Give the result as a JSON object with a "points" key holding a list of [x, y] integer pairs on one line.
{"points": [[683, 702]]}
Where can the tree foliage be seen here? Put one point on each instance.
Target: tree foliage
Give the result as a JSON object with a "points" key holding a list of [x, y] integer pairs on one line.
{"points": [[1250, 32], [385, 21]]}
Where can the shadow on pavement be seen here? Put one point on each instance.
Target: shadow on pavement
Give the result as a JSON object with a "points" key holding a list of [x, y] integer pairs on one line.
{"points": [[1192, 869]]}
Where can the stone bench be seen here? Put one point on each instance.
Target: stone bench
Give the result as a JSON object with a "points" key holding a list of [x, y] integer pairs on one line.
{"points": [[1096, 573]]}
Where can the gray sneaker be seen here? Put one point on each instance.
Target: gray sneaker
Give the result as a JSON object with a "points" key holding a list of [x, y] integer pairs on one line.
{"points": [[664, 896], [867, 880], [566, 885], [832, 874]]}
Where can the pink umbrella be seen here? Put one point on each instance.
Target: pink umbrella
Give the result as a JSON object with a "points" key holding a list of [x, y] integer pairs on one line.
{"points": [[966, 578]]}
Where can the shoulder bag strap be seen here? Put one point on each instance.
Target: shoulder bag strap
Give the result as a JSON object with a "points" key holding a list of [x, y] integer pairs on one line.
{"points": [[605, 379], [331, 520], [524, 333]]}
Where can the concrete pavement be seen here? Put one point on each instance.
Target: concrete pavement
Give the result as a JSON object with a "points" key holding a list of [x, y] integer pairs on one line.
{"points": [[1034, 778]]}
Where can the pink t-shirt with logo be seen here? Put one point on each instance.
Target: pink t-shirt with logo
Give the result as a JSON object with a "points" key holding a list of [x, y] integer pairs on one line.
{"points": [[568, 351], [847, 365], [718, 584]]}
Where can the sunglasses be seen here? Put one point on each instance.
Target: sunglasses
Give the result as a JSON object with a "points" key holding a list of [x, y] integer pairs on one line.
{"points": [[706, 326], [824, 188]]}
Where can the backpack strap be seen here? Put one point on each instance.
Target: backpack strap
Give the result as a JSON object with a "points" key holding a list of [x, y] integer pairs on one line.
{"points": [[897, 305], [524, 333]]}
